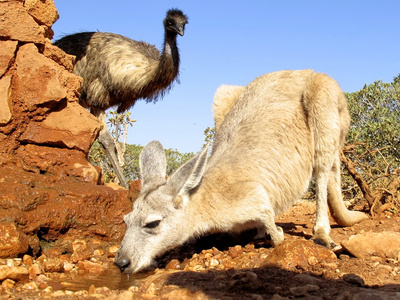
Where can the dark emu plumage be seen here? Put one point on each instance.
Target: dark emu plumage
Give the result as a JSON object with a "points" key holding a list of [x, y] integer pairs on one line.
{"points": [[117, 71]]}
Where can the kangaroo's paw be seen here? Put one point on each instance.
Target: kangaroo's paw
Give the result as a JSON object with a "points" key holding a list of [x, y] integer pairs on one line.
{"points": [[320, 237]]}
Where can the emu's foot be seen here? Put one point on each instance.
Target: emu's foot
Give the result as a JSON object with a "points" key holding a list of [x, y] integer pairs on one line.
{"points": [[321, 238]]}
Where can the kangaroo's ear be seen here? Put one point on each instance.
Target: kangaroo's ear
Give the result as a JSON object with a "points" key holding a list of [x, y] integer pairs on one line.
{"points": [[153, 164], [189, 175]]}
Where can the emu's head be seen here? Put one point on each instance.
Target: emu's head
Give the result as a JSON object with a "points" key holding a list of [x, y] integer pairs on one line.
{"points": [[175, 22]]}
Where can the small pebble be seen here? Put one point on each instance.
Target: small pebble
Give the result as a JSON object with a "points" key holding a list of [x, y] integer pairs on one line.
{"points": [[92, 290], [112, 251], [98, 252], [27, 259], [58, 294], [8, 284], [174, 264]]}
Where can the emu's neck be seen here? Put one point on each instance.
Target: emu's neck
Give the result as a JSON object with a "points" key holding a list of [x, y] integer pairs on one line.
{"points": [[169, 61]]}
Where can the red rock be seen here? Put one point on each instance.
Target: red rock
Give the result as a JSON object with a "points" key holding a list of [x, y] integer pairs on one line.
{"points": [[52, 252], [98, 252], [384, 244], [92, 290], [36, 81], [4, 271], [18, 273], [7, 54], [228, 263], [59, 162], [68, 266], [112, 251], [12, 241], [8, 284], [47, 186], [5, 102], [62, 58], [12, 13], [34, 270], [114, 186], [134, 190], [43, 11], [235, 251], [53, 264], [72, 127], [80, 251], [296, 254], [27, 259], [54, 205]]}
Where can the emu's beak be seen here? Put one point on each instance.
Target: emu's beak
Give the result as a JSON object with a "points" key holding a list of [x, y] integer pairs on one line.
{"points": [[181, 30]]}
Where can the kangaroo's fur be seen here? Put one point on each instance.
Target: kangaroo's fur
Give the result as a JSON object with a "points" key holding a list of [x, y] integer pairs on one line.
{"points": [[271, 137]]}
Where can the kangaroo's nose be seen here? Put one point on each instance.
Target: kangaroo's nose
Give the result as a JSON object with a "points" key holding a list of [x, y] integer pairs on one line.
{"points": [[122, 264]]}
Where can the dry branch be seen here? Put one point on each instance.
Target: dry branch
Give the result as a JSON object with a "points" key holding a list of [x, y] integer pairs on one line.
{"points": [[350, 167]]}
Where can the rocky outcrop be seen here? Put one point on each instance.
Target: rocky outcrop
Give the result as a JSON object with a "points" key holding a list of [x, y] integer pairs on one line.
{"points": [[49, 192]]}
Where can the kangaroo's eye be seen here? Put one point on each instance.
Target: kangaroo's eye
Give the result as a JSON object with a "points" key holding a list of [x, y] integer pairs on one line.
{"points": [[152, 224]]}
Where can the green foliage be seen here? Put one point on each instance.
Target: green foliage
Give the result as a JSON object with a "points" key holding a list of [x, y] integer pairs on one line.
{"points": [[118, 123], [131, 169], [374, 135], [176, 159], [209, 134], [375, 115], [131, 155], [98, 158]]}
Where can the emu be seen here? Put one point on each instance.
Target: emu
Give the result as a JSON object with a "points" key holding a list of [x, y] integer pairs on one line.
{"points": [[117, 71]]}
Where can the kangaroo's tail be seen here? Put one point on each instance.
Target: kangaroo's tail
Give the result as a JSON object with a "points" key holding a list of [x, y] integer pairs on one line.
{"points": [[338, 209]]}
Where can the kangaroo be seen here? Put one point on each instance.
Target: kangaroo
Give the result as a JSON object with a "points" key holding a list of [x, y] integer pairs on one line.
{"points": [[271, 137]]}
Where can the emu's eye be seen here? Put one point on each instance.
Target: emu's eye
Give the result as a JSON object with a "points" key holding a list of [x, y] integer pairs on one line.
{"points": [[170, 23], [153, 224]]}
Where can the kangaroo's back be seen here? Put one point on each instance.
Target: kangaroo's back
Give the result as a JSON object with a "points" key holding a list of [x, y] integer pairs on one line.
{"points": [[265, 137]]}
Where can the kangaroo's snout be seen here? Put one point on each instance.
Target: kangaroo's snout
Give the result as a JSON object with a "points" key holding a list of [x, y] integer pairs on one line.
{"points": [[122, 263]]}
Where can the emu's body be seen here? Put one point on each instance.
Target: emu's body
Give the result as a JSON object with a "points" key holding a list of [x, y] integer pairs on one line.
{"points": [[117, 71]]}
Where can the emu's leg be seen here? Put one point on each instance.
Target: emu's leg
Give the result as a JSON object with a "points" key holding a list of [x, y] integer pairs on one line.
{"points": [[106, 140]]}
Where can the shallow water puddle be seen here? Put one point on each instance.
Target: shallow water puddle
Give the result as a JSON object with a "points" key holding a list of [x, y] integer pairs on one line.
{"points": [[111, 279]]}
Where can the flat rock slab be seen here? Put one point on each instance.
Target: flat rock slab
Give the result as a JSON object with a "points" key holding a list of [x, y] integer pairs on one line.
{"points": [[384, 244]]}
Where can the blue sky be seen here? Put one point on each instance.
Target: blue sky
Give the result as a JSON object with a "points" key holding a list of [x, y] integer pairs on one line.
{"points": [[233, 42]]}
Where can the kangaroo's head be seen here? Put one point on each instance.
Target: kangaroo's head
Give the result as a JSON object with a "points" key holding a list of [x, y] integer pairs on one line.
{"points": [[157, 222]]}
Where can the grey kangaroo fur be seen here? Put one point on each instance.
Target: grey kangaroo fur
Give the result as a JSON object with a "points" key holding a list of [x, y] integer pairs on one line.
{"points": [[271, 137]]}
